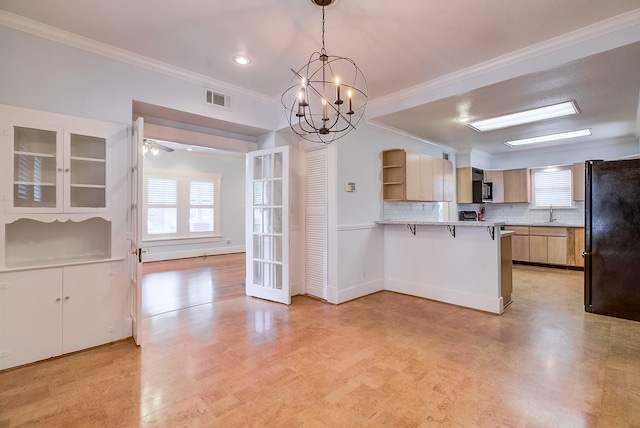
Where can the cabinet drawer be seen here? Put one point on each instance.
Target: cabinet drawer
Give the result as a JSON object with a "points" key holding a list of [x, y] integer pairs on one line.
{"points": [[519, 230], [547, 231]]}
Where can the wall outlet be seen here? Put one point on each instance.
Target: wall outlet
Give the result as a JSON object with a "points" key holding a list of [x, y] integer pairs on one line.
{"points": [[363, 274], [111, 329], [228, 241]]}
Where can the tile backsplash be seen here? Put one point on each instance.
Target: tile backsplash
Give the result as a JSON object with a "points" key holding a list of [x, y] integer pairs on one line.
{"points": [[418, 211], [522, 213], [508, 213]]}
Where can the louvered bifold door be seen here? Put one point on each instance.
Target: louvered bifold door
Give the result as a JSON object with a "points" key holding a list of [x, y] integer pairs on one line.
{"points": [[316, 223]]}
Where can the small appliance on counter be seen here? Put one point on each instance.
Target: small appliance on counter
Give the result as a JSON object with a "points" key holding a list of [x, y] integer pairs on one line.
{"points": [[467, 216]]}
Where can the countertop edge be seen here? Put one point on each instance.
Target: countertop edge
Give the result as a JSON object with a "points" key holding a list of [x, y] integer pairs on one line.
{"points": [[442, 223]]}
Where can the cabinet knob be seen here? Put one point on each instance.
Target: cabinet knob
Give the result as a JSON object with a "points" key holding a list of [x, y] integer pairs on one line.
{"points": [[66, 298], [58, 300], [59, 169], [66, 170]]}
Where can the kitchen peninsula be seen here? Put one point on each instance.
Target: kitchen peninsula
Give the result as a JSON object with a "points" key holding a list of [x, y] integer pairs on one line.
{"points": [[462, 263]]}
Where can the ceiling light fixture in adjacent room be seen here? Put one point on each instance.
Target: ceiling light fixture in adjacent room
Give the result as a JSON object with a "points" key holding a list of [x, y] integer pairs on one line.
{"points": [[327, 96], [551, 137], [528, 116]]}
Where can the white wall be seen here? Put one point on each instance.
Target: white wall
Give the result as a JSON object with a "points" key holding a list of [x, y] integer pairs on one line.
{"points": [[44, 75], [358, 265], [232, 191]]}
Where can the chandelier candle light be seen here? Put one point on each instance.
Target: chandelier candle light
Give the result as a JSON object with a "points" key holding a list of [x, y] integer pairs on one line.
{"points": [[314, 101]]}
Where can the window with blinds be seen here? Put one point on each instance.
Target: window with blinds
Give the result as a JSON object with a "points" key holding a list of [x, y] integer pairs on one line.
{"points": [[181, 206], [552, 187]]}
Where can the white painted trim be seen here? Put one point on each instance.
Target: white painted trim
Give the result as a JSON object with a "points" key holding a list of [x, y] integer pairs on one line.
{"points": [[74, 40], [460, 298], [332, 223], [197, 252], [365, 226], [360, 290], [614, 26]]}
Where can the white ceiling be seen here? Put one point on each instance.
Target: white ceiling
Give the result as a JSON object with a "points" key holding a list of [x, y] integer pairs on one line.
{"points": [[422, 59]]}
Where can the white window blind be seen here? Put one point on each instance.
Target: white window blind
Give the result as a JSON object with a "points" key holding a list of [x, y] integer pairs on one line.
{"points": [[552, 186], [162, 206]]}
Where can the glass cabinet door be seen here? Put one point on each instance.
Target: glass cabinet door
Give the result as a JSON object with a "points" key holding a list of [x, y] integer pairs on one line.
{"points": [[35, 160], [86, 174]]}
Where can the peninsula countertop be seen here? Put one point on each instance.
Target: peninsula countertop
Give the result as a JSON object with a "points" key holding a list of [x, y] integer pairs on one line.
{"points": [[444, 223]]}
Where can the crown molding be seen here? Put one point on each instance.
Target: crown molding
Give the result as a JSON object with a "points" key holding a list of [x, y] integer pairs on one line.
{"points": [[74, 40], [412, 96], [391, 130]]}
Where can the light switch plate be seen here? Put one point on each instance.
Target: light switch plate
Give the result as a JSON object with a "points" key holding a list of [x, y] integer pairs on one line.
{"points": [[350, 186]]}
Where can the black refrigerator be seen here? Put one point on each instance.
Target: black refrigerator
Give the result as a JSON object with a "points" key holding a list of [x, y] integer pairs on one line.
{"points": [[612, 238]]}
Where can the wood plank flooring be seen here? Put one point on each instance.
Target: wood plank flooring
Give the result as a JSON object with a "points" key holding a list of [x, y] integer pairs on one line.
{"points": [[382, 360]]}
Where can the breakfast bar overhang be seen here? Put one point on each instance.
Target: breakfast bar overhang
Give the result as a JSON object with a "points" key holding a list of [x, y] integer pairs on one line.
{"points": [[460, 263]]}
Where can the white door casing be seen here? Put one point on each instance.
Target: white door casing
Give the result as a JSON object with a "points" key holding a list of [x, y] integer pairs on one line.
{"points": [[267, 224]]}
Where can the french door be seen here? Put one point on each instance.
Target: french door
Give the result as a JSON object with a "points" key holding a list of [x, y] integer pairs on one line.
{"points": [[135, 228], [267, 225]]}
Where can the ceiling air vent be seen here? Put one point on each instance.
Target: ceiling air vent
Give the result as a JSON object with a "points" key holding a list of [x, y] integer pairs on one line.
{"points": [[216, 98]]}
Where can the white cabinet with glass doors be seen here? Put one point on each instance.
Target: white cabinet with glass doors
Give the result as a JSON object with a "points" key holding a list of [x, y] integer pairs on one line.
{"points": [[56, 169], [63, 242]]}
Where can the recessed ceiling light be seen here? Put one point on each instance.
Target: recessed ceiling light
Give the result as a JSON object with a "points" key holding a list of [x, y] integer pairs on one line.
{"points": [[535, 115], [550, 137], [242, 59]]}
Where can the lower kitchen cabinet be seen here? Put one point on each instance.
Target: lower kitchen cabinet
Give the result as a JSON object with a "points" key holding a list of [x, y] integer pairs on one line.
{"points": [[548, 244], [50, 312]]}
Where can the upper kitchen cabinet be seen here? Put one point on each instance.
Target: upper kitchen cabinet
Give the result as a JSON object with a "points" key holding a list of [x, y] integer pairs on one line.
{"points": [[469, 185], [55, 169], [411, 176], [517, 185], [496, 178], [578, 184]]}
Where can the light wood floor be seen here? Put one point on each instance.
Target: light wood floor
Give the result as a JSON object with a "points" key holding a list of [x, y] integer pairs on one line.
{"points": [[383, 360]]}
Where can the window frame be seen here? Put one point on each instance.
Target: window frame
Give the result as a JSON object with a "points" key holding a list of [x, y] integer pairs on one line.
{"points": [[569, 185], [183, 205]]}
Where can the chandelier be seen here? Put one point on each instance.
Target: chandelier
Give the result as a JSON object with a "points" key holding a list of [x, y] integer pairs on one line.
{"points": [[327, 96]]}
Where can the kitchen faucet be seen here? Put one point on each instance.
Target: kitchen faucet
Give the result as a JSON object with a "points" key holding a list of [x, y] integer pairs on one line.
{"points": [[551, 217]]}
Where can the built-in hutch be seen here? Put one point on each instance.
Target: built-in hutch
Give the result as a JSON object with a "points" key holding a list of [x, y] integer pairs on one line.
{"points": [[63, 277]]}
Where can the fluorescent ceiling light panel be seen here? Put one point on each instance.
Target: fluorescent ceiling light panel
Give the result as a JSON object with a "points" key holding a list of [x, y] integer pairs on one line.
{"points": [[551, 137], [535, 115]]}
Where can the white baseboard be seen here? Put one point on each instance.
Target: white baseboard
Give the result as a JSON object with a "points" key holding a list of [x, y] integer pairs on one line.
{"points": [[459, 298], [172, 255], [360, 290]]}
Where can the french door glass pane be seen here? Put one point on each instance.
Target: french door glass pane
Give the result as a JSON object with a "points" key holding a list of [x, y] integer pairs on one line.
{"points": [[266, 222], [257, 273], [257, 168], [267, 166], [277, 277], [277, 192], [277, 165], [266, 196], [257, 220], [277, 248], [257, 246], [267, 245], [258, 192], [277, 220], [267, 275]]}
